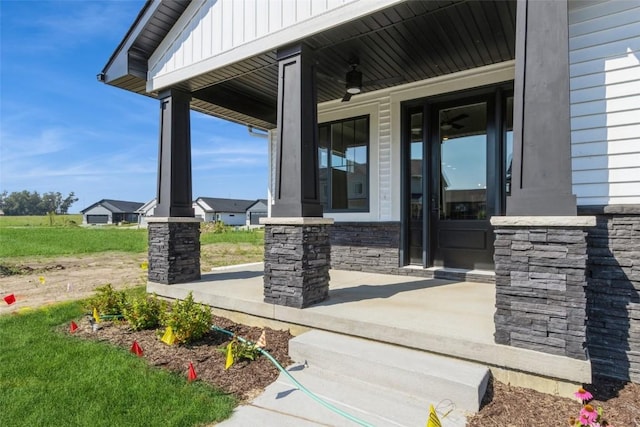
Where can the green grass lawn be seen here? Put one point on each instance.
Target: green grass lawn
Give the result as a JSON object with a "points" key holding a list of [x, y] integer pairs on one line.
{"points": [[36, 240], [52, 241], [48, 378], [39, 220]]}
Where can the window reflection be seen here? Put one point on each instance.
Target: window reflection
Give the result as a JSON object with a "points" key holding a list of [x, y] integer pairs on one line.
{"points": [[463, 162], [343, 161]]}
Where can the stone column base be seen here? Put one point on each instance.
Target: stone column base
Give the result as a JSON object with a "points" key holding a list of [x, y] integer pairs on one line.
{"points": [[541, 279], [297, 257], [174, 250]]}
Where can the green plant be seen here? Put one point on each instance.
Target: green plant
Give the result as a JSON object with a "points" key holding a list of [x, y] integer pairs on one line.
{"points": [[144, 312], [188, 320], [107, 300], [241, 350]]}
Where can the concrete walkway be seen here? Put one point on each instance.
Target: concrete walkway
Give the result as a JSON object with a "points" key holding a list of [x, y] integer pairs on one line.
{"points": [[445, 317]]}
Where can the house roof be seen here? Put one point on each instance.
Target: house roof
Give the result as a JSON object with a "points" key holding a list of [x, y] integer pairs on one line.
{"points": [[116, 206], [212, 204], [263, 201], [147, 206], [453, 36]]}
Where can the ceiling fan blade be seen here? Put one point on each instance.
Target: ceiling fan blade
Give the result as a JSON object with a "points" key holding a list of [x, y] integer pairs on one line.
{"points": [[459, 117], [456, 126], [346, 97]]}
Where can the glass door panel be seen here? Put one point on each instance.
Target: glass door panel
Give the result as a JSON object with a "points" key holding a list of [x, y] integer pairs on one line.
{"points": [[416, 188], [463, 163]]}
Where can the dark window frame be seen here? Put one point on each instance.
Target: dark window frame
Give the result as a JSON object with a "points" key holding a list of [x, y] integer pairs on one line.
{"points": [[328, 206]]}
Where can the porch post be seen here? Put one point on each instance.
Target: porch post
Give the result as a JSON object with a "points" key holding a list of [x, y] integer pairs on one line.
{"points": [[297, 249], [541, 170], [174, 233], [540, 248]]}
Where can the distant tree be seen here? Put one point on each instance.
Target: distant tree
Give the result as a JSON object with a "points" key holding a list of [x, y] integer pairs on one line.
{"points": [[65, 204], [27, 203]]}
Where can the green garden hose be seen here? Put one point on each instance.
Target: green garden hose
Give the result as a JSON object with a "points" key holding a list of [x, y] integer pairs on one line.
{"points": [[296, 383]]}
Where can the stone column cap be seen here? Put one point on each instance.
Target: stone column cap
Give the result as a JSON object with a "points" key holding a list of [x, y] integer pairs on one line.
{"points": [[296, 221], [165, 219], [543, 221]]}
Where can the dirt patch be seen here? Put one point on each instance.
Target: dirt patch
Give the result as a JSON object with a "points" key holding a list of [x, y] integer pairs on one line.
{"points": [[66, 278], [245, 379]]}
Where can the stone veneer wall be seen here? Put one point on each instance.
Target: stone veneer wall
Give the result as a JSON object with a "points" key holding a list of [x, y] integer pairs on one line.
{"points": [[365, 246], [174, 252], [613, 291], [296, 264], [540, 288]]}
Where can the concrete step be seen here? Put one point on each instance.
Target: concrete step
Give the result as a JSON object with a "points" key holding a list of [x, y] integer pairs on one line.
{"points": [[425, 376], [283, 403]]}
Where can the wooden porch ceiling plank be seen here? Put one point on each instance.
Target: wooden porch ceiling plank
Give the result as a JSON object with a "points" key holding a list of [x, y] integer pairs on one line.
{"points": [[452, 41], [442, 62], [452, 19], [413, 71], [469, 32], [507, 14], [401, 58], [476, 35], [478, 14], [499, 35], [424, 67]]}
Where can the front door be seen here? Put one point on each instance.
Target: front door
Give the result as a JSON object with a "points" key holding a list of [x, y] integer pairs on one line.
{"points": [[454, 156], [461, 234]]}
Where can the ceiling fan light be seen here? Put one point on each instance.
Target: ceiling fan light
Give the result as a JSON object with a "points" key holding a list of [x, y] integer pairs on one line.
{"points": [[354, 82]]}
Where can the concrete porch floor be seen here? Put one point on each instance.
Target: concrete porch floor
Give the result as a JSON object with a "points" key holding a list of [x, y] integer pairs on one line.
{"points": [[440, 316]]}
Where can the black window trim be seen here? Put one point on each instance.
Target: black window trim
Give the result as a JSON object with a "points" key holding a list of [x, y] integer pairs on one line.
{"points": [[328, 208]]}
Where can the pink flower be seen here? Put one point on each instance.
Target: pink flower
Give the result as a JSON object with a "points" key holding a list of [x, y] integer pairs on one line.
{"points": [[588, 415], [583, 394]]}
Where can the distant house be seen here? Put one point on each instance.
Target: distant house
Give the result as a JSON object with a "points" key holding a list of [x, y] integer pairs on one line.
{"points": [[259, 209], [1, 212], [146, 210], [229, 211], [108, 211]]}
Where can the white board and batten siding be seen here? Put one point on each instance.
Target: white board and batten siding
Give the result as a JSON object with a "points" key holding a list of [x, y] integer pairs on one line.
{"points": [[604, 58], [213, 33]]}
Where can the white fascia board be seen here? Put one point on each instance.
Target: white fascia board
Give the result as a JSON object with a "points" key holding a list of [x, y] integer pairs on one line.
{"points": [[119, 66], [285, 36]]}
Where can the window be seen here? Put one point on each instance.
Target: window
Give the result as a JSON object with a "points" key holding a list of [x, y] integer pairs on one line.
{"points": [[344, 165]]}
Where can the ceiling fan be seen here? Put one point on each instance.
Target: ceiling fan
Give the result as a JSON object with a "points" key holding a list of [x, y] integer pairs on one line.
{"points": [[353, 80], [451, 123]]}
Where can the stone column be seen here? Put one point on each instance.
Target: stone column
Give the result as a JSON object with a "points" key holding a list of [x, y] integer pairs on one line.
{"points": [[174, 234], [297, 252], [174, 250], [541, 167], [541, 279], [297, 258]]}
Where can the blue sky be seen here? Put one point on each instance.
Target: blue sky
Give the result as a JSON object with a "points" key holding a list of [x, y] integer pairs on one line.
{"points": [[62, 130]]}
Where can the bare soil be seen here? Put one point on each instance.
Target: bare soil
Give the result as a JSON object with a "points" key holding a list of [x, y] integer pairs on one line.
{"points": [[69, 278]]}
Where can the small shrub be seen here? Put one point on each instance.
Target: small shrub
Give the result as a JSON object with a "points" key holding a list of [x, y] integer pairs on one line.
{"points": [[144, 312], [241, 350], [188, 319], [107, 300]]}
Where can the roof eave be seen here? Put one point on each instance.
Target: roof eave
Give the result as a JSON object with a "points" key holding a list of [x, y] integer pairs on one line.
{"points": [[117, 66]]}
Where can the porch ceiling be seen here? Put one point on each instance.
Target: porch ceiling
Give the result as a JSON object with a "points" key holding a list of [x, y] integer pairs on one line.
{"points": [[411, 41]]}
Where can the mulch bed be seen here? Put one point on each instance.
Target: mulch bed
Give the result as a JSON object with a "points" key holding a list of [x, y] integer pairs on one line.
{"points": [[244, 379], [507, 406], [503, 405]]}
